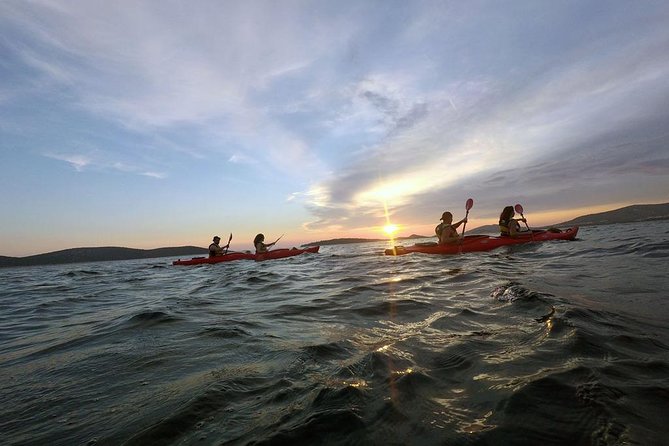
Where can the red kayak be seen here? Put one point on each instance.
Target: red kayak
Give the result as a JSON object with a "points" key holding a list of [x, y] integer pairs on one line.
{"points": [[231, 256], [476, 243], [281, 253]]}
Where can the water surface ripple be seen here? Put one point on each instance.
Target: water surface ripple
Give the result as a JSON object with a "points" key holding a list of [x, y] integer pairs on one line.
{"points": [[552, 343]]}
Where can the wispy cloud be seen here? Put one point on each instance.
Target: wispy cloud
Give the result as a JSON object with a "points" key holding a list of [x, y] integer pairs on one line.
{"points": [[78, 161], [158, 175], [206, 75], [239, 158], [98, 160]]}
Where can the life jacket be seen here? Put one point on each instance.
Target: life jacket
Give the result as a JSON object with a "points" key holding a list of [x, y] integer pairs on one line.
{"points": [[213, 249], [439, 229], [504, 227], [260, 247]]}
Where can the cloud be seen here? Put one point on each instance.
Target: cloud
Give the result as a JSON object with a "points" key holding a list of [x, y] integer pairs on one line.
{"points": [[362, 105], [596, 118], [238, 158], [101, 161], [78, 161], [165, 70], [158, 175]]}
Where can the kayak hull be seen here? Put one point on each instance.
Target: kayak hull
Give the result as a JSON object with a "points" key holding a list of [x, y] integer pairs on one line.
{"points": [[283, 253], [232, 256], [478, 243]]}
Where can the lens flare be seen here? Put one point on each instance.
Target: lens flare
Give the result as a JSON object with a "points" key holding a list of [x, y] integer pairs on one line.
{"points": [[390, 229]]}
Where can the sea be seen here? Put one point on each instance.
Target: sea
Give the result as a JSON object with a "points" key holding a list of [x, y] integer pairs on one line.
{"points": [[554, 343]]}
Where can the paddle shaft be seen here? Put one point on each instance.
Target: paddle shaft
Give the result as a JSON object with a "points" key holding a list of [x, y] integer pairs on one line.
{"points": [[274, 242], [526, 225], [228, 245], [468, 205], [519, 209], [464, 225]]}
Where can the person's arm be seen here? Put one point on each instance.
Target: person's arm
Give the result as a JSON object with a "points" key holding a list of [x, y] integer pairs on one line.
{"points": [[514, 227], [520, 228], [457, 225]]}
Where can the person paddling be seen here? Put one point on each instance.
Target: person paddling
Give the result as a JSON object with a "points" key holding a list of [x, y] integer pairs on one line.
{"points": [[509, 226], [447, 230], [215, 249], [259, 243]]}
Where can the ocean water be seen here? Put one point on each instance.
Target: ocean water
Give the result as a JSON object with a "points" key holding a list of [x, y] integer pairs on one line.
{"points": [[539, 344]]}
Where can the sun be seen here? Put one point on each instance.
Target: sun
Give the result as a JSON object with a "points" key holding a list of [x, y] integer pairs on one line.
{"points": [[390, 229]]}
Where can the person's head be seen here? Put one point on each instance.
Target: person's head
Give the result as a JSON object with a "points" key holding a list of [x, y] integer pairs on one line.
{"points": [[447, 218], [507, 213], [259, 238], [216, 239]]}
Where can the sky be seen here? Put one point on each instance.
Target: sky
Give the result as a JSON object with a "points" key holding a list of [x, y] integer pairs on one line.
{"points": [[160, 123]]}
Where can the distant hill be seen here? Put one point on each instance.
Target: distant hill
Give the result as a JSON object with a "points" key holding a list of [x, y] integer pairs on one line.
{"points": [[343, 241], [486, 229], [99, 254], [628, 214]]}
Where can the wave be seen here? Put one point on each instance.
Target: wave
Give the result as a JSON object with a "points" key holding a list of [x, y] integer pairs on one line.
{"points": [[553, 343], [147, 319], [80, 273]]}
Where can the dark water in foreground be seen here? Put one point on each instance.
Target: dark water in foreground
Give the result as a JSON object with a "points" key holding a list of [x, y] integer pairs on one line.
{"points": [[346, 347]]}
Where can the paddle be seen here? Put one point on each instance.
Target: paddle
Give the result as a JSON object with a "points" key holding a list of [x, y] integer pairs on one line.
{"points": [[519, 209], [274, 242], [468, 206], [228, 245]]}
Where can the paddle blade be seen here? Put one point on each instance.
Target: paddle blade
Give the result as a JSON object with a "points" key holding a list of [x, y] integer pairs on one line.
{"points": [[519, 209], [470, 204], [230, 239]]}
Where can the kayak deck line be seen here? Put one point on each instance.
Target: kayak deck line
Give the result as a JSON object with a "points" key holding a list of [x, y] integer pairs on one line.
{"points": [[479, 243], [232, 256]]}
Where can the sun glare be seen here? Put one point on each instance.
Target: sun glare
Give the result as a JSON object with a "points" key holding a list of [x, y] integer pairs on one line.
{"points": [[390, 229]]}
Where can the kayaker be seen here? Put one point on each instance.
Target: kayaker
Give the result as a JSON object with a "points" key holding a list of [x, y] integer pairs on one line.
{"points": [[509, 226], [447, 230], [215, 249], [259, 243]]}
